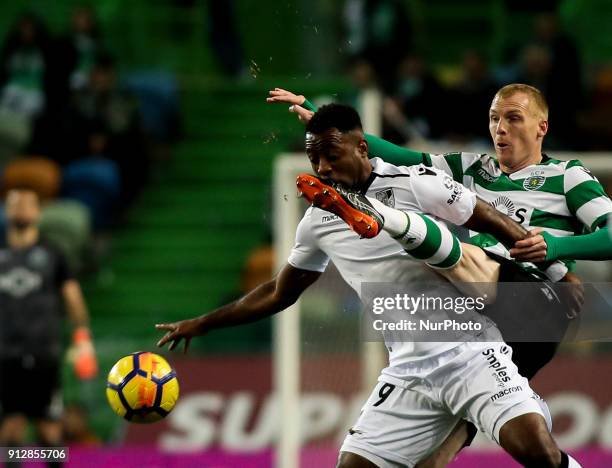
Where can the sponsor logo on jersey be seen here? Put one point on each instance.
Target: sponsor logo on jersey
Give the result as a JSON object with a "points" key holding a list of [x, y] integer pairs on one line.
{"points": [[19, 282], [507, 206], [534, 181], [454, 188], [387, 197], [506, 391], [486, 176], [500, 372]]}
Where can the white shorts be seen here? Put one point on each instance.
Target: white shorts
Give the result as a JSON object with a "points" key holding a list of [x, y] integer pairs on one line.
{"points": [[405, 420]]}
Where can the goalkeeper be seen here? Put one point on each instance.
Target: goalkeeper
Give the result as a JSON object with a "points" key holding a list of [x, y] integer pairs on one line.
{"points": [[35, 287]]}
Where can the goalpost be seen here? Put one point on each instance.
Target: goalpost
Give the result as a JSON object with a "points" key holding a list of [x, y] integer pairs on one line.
{"points": [[288, 210], [286, 324]]}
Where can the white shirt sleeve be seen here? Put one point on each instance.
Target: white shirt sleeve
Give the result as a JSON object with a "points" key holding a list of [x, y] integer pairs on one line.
{"points": [[306, 254], [438, 194]]}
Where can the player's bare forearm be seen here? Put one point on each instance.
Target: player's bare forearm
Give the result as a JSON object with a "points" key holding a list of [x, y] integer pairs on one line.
{"points": [[488, 220], [264, 301], [259, 304], [75, 303]]}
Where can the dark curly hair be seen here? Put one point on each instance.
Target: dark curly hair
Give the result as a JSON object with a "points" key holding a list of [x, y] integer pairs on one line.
{"points": [[344, 118]]}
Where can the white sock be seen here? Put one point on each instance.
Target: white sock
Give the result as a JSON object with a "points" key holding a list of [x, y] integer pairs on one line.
{"points": [[420, 236], [406, 227], [396, 221]]}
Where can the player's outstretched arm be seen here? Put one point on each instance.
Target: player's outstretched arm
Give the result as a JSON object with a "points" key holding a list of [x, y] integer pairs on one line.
{"points": [[265, 300], [377, 147]]}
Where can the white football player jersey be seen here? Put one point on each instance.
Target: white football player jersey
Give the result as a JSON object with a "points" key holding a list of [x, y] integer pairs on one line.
{"points": [[322, 236]]}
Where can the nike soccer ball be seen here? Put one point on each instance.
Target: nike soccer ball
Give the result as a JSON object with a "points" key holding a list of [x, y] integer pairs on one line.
{"points": [[142, 387]]}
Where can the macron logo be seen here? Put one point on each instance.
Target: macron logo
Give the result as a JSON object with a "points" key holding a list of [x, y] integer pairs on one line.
{"points": [[507, 391]]}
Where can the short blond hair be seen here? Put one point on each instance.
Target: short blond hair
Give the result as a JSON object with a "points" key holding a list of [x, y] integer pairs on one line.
{"points": [[534, 94]]}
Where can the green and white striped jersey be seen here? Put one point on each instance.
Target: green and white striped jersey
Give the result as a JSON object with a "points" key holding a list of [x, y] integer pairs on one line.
{"points": [[562, 197]]}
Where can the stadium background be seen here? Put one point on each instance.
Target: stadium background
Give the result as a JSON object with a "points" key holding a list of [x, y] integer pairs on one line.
{"points": [[200, 229]]}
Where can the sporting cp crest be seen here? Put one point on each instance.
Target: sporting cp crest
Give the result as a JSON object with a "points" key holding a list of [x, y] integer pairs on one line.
{"points": [[534, 182], [386, 196]]}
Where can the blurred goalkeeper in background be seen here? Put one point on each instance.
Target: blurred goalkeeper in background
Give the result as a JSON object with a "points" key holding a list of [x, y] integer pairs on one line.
{"points": [[36, 287]]}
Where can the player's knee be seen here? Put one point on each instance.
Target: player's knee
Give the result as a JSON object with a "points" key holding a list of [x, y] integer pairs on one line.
{"points": [[542, 455], [527, 439], [352, 460], [538, 451]]}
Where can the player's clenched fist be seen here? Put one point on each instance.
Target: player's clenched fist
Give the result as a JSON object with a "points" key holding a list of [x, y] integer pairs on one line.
{"points": [[531, 249]]}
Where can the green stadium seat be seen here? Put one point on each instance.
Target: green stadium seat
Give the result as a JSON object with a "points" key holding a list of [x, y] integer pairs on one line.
{"points": [[67, 224]]}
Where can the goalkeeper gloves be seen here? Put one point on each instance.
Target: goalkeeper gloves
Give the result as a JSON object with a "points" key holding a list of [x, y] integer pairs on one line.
{"points": [[83, 355]]}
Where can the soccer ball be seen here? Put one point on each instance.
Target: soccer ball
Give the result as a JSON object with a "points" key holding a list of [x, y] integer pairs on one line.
{"points": [[142, 387]]}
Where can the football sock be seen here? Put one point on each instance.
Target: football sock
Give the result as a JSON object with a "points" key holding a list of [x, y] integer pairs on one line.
{"points": [[396, 221], [420, 236]]}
